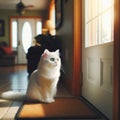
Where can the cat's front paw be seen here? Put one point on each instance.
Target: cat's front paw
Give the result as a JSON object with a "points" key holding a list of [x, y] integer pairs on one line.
{"points": [[50, 100]]}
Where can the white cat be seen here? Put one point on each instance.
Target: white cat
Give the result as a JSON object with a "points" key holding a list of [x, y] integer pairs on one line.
{"points": [[43, 81]]}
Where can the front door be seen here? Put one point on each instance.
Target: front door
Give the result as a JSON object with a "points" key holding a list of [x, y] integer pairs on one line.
{"points": [[26, 33], [98, 55]]}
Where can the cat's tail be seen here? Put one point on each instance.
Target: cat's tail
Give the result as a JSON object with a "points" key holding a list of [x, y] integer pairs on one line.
{"points": [[13, 95]]}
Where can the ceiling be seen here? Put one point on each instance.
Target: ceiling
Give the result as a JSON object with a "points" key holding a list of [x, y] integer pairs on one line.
{"points": [[37, 4]]}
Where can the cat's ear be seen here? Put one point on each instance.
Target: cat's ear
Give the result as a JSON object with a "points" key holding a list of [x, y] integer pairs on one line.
{"points": [[46, 51], [57, 52]]}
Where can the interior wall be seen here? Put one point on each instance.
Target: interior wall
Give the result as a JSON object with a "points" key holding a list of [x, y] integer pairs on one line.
{"points": [[65, 34], [6, 14]]}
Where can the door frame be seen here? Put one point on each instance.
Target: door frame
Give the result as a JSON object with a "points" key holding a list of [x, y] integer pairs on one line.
{"points": [[77, 48], [116, 69]]}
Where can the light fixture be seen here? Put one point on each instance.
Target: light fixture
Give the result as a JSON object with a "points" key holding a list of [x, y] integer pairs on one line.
{"points": [[20, 8]]}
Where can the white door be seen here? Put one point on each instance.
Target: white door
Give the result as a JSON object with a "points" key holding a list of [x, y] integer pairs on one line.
{"points": [[26, 33], [97, 77], [98, 58]]}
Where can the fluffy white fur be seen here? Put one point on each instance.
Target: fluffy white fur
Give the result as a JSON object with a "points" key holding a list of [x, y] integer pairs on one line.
{"points": [[43, 81], [13, 95]]}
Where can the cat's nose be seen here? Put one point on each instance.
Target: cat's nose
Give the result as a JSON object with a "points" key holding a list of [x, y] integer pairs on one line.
{"points": [[55, 63]]}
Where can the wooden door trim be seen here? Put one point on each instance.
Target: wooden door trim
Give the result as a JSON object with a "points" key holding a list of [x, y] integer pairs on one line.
{"points": [[116, 70], [77, 48]]}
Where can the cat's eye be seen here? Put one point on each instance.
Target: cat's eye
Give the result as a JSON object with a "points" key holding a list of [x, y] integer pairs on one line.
{"points": [[52, 59]]}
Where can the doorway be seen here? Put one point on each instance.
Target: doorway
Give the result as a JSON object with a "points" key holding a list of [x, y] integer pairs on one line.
{"points": [[23, 32]]}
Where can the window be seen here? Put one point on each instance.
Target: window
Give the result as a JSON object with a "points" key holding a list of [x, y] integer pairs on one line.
{"points": [[98, 22], [38, 27], [26, 36], [14, 34]]}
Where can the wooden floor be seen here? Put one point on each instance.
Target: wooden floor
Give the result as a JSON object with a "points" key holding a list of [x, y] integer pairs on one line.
{"points": [[15, 78], [11, 79]]}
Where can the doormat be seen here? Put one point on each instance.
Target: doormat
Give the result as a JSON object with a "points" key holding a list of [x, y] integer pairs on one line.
{"points": [[62, 108]]}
